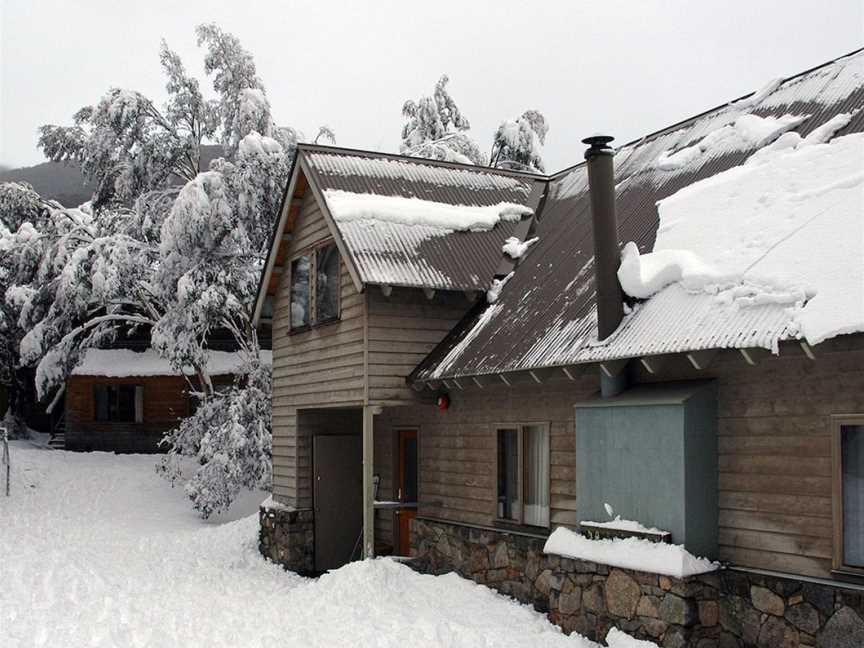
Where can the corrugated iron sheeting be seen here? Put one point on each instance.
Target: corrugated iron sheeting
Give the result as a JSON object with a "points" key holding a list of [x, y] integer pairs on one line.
{"points": [[418, 256], [545, 315]]}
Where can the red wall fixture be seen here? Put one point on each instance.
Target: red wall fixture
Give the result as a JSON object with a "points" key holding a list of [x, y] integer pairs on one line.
{"points": [[443, 402]]}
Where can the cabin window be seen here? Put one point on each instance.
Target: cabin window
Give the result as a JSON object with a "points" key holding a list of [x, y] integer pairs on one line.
{"points": [[848, 441], [326, 283], [300, 297], [523, 474], [119, 403], [315, 301]]}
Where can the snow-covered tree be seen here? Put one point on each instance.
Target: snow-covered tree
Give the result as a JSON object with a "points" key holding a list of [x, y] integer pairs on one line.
{"points": [[435, 128], [518, 144], [165, 247], [229, 437]]}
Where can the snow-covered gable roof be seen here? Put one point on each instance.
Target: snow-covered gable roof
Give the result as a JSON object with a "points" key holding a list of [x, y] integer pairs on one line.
{"points": [[420, 223], [545, 315]]}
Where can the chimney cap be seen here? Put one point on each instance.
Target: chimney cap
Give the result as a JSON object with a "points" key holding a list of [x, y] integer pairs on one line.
{"points": [[598, 139], [598, 144]]}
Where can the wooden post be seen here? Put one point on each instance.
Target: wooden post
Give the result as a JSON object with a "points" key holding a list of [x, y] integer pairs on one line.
{"points": [[368, 482]]}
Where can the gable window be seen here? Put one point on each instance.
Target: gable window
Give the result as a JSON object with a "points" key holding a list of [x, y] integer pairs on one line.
{"points": [[848, 452], [326, 283], [523, 474], [119, 403], [315, 284], [300, 293]]}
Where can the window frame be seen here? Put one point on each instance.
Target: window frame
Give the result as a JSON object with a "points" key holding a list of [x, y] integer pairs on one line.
{"points": [[312, 252], [837, 424], [521, 441], [136, 389]]}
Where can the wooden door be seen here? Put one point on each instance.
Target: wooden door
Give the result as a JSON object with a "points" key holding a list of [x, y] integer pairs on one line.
{"points": [[337, 462], [408, 480]]}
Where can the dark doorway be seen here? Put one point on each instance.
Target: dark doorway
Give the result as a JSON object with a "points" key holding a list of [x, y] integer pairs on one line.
{"points": [[407, 487], [338, 497]]}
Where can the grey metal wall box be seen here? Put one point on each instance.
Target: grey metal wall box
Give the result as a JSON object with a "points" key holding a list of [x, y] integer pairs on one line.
{"points": [[651, 453]]}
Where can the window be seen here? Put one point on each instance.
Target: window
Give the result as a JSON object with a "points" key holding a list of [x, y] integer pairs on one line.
{"points": [[326, 283], [523, 474], [119, 403], [300, 302], [848, 442], [322, 264]]}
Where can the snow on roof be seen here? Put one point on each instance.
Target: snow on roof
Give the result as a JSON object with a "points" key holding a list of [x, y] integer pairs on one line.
{"points": [[125, 363], [785, 229], [373, 209], [546, 317], [418, 223]]}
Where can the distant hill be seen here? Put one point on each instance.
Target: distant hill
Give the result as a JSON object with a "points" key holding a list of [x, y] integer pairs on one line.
{"points": [[64, 182]]}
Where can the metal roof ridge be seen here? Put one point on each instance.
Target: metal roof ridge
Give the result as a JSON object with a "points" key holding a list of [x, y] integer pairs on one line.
{"points": [[461, 166]]}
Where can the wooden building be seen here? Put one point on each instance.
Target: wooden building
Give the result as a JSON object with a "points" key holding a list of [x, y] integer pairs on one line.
{"points": [[434, 397], [122, 400]]}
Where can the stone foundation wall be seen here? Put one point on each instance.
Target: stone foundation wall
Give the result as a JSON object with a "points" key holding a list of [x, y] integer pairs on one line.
{"points": [[725, 609], [287, 537]]}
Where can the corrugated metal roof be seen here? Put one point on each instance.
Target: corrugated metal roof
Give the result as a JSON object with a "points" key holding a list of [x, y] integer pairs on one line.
{"points": [[417, 255], [545, 316]]}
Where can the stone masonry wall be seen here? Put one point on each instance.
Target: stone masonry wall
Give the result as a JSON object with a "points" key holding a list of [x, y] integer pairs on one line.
{"points": [[287, 538], [725, 609]]}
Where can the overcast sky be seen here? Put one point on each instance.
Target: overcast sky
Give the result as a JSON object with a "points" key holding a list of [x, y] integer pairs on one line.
{"points": [[624, 67]]}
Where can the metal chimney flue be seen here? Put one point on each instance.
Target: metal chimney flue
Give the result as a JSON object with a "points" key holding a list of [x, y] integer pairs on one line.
{"points": [[601, 186]]}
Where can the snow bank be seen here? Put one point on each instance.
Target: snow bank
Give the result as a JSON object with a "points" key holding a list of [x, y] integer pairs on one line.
{"points": [[629, 553], [745, 132], [516, 249], [785, 228], [615, 638], [347, 207], [123, 363], [99, 551]]}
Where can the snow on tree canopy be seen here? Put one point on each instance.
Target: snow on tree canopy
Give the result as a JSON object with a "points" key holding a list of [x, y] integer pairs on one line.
{"points": [[787, 228]]}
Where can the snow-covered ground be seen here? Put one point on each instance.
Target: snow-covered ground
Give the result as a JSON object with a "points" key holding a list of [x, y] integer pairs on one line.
{"points": [[97, 550]]}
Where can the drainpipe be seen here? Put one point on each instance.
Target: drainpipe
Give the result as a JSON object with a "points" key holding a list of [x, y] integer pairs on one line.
{"points": [[607, 258]]}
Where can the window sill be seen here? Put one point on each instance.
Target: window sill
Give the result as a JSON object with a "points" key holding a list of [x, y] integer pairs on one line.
{"points": [[312, 327], [848, 574], [510, 525]]}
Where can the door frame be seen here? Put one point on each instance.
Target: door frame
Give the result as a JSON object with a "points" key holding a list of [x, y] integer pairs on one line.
{"points": [[399, 467]]}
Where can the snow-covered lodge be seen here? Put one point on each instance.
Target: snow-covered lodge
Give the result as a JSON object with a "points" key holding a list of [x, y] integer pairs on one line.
{"points": [[125, 400], [461, 367]]}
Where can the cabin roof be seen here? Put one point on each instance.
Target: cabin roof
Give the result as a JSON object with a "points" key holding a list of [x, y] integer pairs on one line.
{"points": [[546, 316]]}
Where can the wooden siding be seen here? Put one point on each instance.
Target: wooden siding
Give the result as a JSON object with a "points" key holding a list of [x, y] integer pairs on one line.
{"points": [[774, 438], [165, 401], [457, 446], [774, 447], [320, 367], [402, 329]]}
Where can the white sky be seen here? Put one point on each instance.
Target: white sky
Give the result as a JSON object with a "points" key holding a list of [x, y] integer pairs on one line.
{"points": [[626, 68]]}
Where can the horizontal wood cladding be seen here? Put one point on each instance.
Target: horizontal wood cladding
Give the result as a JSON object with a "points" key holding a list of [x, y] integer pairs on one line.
{"points": [[402, 329], [323, 366], [165, 402], [458, 447], [775, 450]]}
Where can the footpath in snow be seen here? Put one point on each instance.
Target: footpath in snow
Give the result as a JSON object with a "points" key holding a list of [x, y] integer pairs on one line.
{"points": [[97, 550]]}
